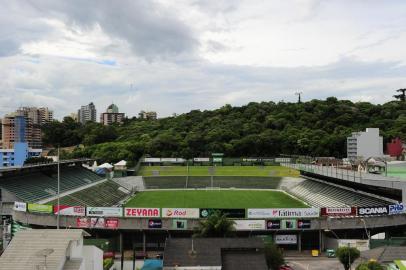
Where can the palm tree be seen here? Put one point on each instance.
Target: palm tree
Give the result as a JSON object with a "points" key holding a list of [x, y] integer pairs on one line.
{"points": [[216, 225]]}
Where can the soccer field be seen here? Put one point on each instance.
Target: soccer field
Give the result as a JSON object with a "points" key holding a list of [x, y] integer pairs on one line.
{"points": [[218, 171], [214, 199]]}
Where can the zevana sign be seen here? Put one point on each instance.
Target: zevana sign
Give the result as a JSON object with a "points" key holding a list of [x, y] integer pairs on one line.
{"points": [[339, 211], [20, 206], [180, 212], [283, 212], [373, 211], [40, 208], [249, 225], [104, 212], [142, 212], [65, 210], [395, 209]]}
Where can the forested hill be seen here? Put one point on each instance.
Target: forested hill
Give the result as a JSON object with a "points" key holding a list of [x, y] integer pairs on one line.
{"points": [[317, 127]]}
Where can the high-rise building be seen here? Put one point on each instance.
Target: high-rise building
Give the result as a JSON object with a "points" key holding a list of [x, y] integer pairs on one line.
{"points": [[147, 115], [39, 116], [19, 127], [111, 116], [365, 144], [87, 113]]}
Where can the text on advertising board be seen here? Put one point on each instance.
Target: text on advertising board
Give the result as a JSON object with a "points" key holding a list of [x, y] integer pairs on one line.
{"points": [[303, 224], [230, 213], [250, 225], [373, 211], [142, 212], [104, 211], [180, 212], [286, 239], [283, 212], [70, 210], [154, 223], [273, 224], [20, 206], [396, 209], [339, 211]]}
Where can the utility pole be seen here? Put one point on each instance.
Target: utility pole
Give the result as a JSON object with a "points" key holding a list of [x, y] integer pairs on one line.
{"points": [[299, 94], [59, 181]]}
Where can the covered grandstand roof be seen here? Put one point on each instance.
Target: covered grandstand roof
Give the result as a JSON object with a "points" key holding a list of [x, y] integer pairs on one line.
{"points": [[26, 249]]}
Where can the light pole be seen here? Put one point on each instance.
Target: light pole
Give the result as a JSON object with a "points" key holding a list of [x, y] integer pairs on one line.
{"points": [[366, 231], [59, 181]]}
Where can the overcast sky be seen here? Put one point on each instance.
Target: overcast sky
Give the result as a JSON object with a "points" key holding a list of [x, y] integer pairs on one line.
{"points": [[175, 56]]}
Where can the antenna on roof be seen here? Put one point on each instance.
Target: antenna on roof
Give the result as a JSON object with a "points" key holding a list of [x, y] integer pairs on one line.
{"points": [[299, 94], [45, 253]]}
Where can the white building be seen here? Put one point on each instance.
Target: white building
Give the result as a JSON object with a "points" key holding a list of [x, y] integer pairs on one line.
{"points": [[365, 144], [51, 249], [87, 113]]}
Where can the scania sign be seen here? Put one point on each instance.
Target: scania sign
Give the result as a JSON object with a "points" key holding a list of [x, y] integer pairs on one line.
{"points": [[373, 211], [142, 212]]}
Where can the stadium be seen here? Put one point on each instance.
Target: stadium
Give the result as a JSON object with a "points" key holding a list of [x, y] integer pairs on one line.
{"points": [[300, 206]]}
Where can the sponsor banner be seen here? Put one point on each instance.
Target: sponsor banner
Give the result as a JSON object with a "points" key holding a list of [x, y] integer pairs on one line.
{"points": [[339, 211], [99, 223], [154, 223], [152, 160], [286, 239], [179, 224], [289, 224], [230, 213], [217, 159], [111, 223], [282, 160], [274, 224], [104, 211], [373, 211], [168, 159], [395, 209], [283, 212], [257, 159], [180, 212], [304, 224], [197, 159], [83, 222], [70, 210], [250, 225], [40, 208], [20, 206], [142, 212]]}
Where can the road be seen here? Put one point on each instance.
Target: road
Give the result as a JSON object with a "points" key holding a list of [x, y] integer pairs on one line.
{"points": [[311, 263]]}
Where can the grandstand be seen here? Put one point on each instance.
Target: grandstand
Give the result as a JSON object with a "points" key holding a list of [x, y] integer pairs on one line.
{"points": [[168, 182], [107, 193], [321, 194], [39, 185]]}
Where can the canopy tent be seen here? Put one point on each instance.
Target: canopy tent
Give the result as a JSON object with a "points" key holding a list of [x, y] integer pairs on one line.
{"points": [[152, 265], [121, 163]]}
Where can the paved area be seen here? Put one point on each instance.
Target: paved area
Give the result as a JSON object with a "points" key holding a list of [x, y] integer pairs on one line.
{"points": [[314, 263]]}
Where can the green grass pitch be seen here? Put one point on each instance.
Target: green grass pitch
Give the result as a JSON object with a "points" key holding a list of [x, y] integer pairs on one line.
{"points": [[279, 171], [214, 199]]}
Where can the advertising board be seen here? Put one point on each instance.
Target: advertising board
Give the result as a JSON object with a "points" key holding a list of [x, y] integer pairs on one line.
{"points": [[338, 211], [283, 212], [395, 209], [168, 159], [201, 159], [373, 211], [230, 213], [40, 208], [65, 210], [180, 212], [104, 211], [274, 224], [286, 239], [154, 223], [142, 212], [288, 224], [20, 206], [249, 225], [152, 160], [99, 223], [179, 224], [304, 224]]}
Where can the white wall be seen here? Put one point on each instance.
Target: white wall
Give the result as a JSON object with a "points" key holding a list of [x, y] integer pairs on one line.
{"points": [[93, 258], [369, 143]]}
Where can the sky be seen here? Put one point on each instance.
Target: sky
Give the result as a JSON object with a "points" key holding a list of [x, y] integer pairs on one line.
{"points": [[176, 56]]}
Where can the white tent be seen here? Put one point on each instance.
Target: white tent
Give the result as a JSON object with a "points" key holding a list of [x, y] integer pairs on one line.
{"points": [[121, 163], [106, 166]]}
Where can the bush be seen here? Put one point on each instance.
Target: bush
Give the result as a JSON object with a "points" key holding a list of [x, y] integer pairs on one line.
{"points": [[107, 263], [347, 255], [274, 256], [372, 265]]}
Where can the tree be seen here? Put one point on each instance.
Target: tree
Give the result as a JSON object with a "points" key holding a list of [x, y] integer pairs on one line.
{"points": [[216, 225], [371, 265], [347, 255], [274, 256]]}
